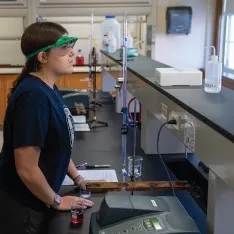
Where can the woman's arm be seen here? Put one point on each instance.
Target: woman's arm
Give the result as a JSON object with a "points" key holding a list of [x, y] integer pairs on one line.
{"points": [[26, 161], [72, 171], [74, 175]]}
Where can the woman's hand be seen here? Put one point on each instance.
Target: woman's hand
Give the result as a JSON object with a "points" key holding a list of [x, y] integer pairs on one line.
{"points": [[81, 183], [67, 200]]}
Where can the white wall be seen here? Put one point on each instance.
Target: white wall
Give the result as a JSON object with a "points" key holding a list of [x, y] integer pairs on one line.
{"points": [[184, 50]]}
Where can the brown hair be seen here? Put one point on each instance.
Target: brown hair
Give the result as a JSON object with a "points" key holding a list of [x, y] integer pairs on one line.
{"points": [[36, 36]]}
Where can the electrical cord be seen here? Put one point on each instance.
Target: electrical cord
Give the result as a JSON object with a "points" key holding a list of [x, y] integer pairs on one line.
{"points": [[173, 121]]}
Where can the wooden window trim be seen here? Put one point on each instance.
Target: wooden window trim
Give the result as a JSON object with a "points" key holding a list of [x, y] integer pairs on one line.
{"points": [[226, 82]]}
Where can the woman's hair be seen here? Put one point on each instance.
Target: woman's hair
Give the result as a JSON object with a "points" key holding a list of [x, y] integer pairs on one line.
{"points": [[36, 36]]}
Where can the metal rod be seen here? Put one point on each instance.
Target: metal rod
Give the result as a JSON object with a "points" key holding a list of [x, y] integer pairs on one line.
{"points": [[90, 54], [134, 139], [124, 137]]}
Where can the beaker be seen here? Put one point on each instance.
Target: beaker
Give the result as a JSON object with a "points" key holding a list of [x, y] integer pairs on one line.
{"points": [[77, 214], [137, 166]]}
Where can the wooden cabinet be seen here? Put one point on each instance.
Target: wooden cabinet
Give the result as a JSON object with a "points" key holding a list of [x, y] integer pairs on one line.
{"points": [[60, 82], [5, 86], [80, 81], [73, 81], [2, 98], [9, 79]]}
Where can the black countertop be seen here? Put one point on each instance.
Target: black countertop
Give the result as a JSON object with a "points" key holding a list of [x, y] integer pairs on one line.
{"points": [[216, 110], [103, 146]]}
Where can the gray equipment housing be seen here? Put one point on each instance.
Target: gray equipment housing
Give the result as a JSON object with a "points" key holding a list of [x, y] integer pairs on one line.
{"points": [[121, 214]]}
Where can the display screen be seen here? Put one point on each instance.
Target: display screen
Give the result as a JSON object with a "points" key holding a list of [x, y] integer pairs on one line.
{"points": [[156, 224], [152, 224]]}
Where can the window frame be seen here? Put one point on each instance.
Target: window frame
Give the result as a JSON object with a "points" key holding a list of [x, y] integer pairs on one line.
{"points": [[227, 72]]}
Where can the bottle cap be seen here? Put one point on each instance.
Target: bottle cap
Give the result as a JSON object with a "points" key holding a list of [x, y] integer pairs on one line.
{"points": [[110, 16]]}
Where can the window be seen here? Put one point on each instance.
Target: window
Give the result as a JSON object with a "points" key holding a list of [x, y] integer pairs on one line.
{"points": [[228, 56]]}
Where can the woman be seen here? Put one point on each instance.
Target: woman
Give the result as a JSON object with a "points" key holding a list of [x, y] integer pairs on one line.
{"points": [[38, 134]]}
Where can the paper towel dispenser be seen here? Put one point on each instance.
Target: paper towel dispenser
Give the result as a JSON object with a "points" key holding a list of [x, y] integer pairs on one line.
{"points": [[179, 20]]}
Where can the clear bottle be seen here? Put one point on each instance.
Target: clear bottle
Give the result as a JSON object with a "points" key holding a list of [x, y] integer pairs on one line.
{"points": [[111, 24], [213, 74], [105, 43], [112, 43], [129, 40]]}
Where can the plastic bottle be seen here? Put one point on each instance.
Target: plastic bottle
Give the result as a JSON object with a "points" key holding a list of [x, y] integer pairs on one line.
{"points": [[105, 43], [129, 40], [79, 59], [112, 43], [213, 74], [110, 24]]}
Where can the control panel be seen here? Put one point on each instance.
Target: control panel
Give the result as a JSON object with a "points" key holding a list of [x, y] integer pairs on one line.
{"points": [[163, 223], [136, 226]]}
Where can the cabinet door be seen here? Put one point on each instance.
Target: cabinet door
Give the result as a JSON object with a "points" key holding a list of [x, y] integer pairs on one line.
{"points": [[99, 81], [9, 79], [2, 98], [76, 81], [60, 82]]}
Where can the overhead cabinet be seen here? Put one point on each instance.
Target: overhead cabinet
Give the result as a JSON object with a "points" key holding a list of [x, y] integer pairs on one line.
{"points": [[100, 7], [14, 8], [97, 3], [13, 3]]}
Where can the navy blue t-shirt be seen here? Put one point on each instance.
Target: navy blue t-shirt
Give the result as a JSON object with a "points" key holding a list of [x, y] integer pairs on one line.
{"points": [[36, 116]]}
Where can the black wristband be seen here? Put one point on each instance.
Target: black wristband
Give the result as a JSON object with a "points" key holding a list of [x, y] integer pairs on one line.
{"points": [[79, 176]]}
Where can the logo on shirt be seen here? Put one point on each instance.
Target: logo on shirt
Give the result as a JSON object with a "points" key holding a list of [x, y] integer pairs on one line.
{"points": [[70, 125]]}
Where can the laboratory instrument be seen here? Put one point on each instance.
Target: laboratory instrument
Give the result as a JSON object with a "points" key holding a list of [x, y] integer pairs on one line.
{"points": [[178, 76], [135, 166], [213, 74], [141, 214], [94, 123], [77, 214], [85, 194]]}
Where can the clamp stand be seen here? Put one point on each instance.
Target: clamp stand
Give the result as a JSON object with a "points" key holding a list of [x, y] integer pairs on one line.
{"points": [[127, 123], [94, 123]]}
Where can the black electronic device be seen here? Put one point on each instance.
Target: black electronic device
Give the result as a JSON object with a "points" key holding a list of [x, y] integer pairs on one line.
{"points": [[179, 20], [141, 214]]}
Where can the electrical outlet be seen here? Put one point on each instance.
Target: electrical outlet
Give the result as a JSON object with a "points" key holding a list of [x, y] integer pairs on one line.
{"points": [[189, 135], [190, 132], [164, 111], [175, 116]]}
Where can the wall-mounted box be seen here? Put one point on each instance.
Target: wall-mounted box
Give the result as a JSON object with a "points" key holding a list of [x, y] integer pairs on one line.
{"points": [[179, 20]]}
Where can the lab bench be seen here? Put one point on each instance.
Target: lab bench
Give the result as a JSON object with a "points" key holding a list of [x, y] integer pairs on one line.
{"points": [[205, 126]]}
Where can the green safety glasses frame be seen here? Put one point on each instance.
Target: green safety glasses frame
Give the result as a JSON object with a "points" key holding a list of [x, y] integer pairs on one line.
{"points": [[65, 40]]}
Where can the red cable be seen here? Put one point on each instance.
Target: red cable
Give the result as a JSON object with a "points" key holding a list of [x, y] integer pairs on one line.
{"points": [[129, 114]]}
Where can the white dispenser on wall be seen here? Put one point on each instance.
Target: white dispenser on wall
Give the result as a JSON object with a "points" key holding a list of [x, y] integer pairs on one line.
{"points": [[213, 74], [111, 25]]}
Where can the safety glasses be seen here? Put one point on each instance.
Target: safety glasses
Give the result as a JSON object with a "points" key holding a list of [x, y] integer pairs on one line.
{"points": [[62, 46]]}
